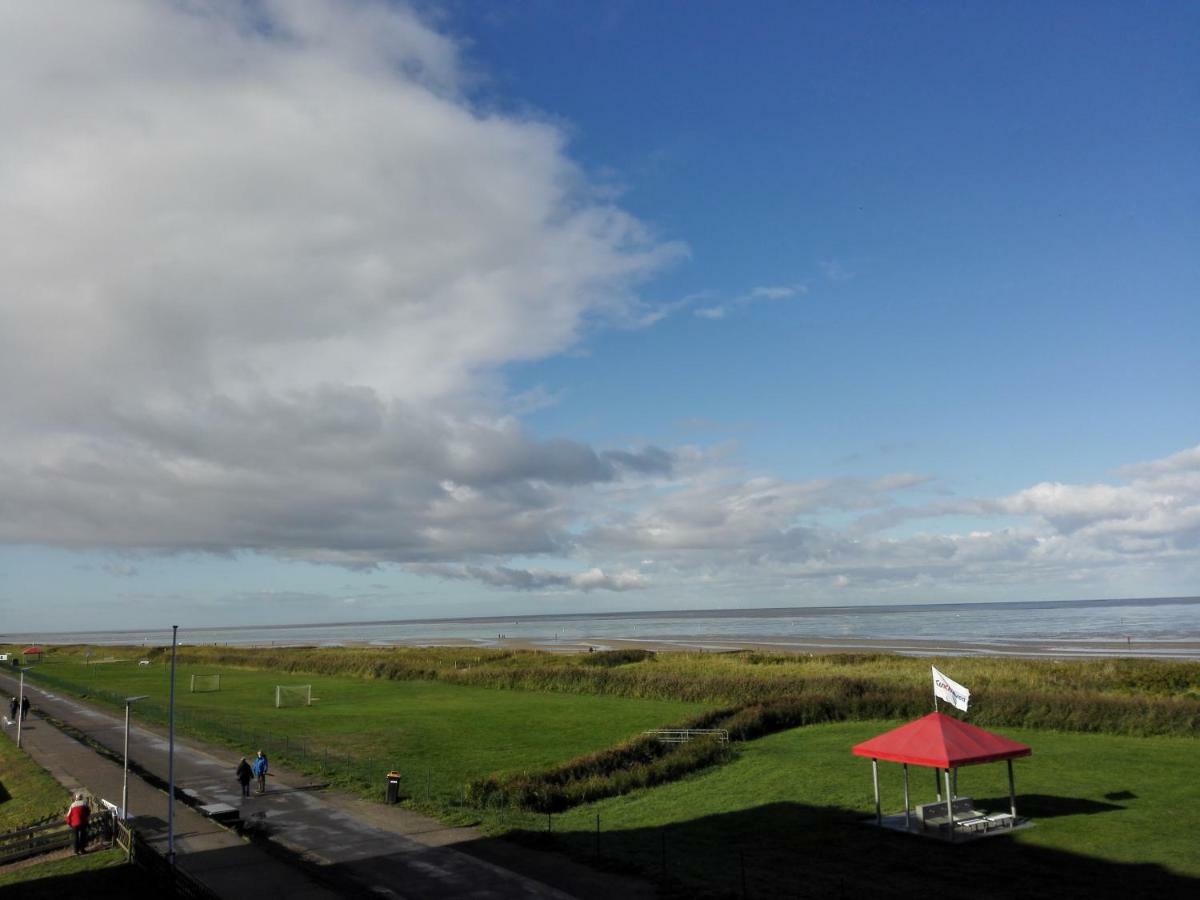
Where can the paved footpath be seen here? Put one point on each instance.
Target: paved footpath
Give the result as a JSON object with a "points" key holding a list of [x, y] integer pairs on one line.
{"points": [[351, 847]]}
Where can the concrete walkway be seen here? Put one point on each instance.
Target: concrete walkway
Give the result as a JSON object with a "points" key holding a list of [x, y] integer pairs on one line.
{"points": [[356, 847], [219, 859]]}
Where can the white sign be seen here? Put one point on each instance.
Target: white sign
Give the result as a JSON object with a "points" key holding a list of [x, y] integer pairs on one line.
{"points": [[951, 691]]}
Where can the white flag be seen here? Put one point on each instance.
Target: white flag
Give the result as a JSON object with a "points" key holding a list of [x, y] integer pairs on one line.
{"points": [[950, 691]]}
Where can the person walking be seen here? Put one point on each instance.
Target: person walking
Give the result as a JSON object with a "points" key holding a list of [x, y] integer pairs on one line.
{"points": [[260, 771], [24, 706], [244, 774], [12, 709], [77, 817]]}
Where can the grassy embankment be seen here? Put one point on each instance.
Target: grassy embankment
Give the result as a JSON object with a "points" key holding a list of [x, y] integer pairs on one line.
{"points": [[28, 794], [101, 873]]}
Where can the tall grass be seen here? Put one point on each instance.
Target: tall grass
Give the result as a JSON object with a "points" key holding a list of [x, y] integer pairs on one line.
{"points": [[754, 694], [1118, 696]]}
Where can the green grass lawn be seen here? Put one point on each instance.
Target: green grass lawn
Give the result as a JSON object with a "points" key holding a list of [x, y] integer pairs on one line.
{"points": [[437, 735], [27, 792], [103, 873], [1108, 810]]}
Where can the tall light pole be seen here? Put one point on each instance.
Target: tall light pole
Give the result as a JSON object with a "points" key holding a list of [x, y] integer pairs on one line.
{"points": [[171, 756], [129, 701], [20, 707]]}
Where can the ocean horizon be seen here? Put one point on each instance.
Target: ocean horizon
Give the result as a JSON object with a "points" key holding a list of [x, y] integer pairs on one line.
{"points": [[1150, 620]]}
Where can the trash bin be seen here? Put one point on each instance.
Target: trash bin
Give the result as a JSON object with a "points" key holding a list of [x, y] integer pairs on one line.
{"points": [[393, 787]]}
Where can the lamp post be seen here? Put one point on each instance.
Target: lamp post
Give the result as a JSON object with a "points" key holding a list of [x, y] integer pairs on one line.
{"points": [[20, 707], [129, 701], [171, 757]]}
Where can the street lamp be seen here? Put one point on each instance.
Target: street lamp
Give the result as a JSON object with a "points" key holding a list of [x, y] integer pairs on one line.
{"points": [[171, 755], [20, 707], [129, 701]]}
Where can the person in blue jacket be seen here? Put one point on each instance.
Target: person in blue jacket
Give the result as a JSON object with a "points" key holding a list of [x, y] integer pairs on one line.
{"points": [[260, 771]]}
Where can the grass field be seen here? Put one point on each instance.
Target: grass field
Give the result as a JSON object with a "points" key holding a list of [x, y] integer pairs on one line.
{"points": [[438, 735], [28, 794], [790, 809], [103, 873], [1116, 811]]}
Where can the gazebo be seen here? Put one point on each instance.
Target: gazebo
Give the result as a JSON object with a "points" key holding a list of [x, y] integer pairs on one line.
{"points": [[938, 741], [33, 651]]}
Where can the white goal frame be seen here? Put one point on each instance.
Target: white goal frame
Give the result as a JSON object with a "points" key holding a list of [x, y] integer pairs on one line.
{"points": [[215, 675], [289, 688]]}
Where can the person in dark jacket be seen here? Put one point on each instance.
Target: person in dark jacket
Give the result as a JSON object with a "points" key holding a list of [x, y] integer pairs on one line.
{"points": [[12, 708], [77, 817], [24, 706], [244, 775], [260, 771]]}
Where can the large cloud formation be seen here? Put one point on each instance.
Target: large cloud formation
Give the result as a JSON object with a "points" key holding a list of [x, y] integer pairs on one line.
{"points": [[264, 264], [260, 260]]}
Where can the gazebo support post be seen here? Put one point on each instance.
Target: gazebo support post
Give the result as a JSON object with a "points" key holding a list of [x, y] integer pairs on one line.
{"points": [[949, 806], [1012, 794], [875, 778], [907, 820], [937, 783], [954, 782]]}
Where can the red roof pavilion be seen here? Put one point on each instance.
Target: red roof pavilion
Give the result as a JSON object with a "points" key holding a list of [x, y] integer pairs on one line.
{"points": [[939, 741]]}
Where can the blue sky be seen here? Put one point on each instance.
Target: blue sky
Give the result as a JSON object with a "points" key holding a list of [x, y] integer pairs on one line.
{"points": [[354, 310]]}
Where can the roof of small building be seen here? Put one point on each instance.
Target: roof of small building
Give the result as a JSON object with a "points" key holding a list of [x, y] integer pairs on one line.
{"points": [[941, 741]]}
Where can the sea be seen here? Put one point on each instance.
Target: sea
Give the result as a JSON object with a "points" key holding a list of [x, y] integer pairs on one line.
{"points": [[1161, 627]]}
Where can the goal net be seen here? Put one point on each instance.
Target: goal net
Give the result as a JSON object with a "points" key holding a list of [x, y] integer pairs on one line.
{"points": [[205, 683], [293, 695]]}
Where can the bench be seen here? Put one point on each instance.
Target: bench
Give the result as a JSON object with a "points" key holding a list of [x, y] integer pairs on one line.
{"points": [[933, 815]]}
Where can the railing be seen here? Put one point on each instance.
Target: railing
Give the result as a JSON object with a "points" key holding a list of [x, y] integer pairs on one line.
{"points": [[684, 735], [50, 836], [178, 882]]}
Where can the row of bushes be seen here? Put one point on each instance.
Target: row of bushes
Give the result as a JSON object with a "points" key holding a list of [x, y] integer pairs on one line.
{"points": [[642, 762], [645, 761]]}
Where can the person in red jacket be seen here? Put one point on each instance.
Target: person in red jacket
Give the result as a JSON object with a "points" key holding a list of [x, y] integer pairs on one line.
{"points": [[77, 818]]}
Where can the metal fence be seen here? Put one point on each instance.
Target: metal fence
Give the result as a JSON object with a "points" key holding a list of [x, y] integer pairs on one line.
{"points": [[49, 836]]}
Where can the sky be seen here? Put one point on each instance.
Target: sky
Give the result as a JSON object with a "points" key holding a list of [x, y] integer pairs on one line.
{"points": [[345, 310]]}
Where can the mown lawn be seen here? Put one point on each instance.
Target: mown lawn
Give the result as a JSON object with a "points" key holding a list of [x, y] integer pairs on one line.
{"points": [[1109, 812], [437, 735], [28, 794], [102, 873]]}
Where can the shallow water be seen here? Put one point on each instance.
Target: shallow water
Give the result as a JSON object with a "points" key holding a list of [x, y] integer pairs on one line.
{"points": [[1071, 625]]}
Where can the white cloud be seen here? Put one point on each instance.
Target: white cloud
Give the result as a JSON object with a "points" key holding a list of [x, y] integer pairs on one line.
{"points": [[261, 262], [769, 292], [537, 579]]}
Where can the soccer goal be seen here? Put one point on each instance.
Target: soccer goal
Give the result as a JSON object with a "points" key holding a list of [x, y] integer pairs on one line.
{"points": [[205, 683], [293, 695]]}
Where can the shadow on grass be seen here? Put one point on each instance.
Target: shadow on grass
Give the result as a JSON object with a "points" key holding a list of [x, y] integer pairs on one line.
{"points": [[1045, 806], [792, 850], [774, 850], [113, 881]]}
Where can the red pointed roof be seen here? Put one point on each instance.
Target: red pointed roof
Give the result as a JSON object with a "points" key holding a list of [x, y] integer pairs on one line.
{"points": [[940, 741]]}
